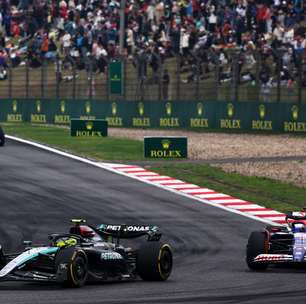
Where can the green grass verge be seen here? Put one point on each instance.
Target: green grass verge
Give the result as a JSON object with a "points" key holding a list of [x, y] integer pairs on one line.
{"points": [[267, 192], [105, 148]]}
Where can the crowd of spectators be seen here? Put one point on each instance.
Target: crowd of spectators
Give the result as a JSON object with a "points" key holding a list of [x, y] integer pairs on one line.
{"points": [[198, 32]]}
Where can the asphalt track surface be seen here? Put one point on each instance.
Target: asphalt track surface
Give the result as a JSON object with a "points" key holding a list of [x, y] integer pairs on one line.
{"points": [[41, 191]]}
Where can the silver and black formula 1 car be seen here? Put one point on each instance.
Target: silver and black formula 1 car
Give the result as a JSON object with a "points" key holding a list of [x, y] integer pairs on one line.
{"points": [[2, 137], [278, 244], [90, 253]]}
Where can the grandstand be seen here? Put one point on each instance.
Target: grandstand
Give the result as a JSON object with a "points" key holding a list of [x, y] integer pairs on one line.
{"points": [[173, 50]]}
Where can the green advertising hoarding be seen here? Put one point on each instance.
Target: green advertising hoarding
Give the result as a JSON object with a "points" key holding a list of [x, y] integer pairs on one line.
{"points": [[165, 147], [116, 77], [248, 116], [88, 128]]}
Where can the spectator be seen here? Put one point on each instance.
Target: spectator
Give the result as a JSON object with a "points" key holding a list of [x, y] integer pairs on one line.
{"points": [[266, 83], [165, 85], [76, 30]]}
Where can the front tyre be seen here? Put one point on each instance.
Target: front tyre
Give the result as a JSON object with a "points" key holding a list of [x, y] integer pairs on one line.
{"points": [[154, 261], [257, 244], [76, 266]]}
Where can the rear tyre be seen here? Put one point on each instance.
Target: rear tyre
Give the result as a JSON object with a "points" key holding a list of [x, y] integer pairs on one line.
{"points": [[257, 244], [2, 137], [154, 261], [76, 266]]}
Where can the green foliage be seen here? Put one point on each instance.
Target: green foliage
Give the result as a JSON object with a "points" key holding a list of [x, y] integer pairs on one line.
{"points": [[105, 148], [266, 192]]}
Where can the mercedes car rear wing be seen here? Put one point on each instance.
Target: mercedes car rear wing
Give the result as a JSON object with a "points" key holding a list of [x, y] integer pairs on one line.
{"points": [[129, 231]]}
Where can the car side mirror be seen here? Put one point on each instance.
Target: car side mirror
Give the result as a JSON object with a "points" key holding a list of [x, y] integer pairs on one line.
{"points": [[27, 243]]}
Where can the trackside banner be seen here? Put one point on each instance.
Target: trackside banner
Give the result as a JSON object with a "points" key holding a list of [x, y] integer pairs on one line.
{"points": [[88, 128], [165, 147], [245, 116]]}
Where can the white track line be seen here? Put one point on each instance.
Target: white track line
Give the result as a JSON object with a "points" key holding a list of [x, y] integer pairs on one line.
{"points": [[109, 167]]}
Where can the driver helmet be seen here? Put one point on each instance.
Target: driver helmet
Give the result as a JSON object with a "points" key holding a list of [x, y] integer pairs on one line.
{"points": [[66, 242]]}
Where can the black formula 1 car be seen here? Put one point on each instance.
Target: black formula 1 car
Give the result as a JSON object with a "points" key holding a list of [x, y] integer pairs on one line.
{"points": [[278, 244], [90, 253], [2, 137]]}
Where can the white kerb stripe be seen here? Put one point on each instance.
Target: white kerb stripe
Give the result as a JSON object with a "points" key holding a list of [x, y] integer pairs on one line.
{"points": [[146, 173], [275, 218], [250, 206], [182, 186], [264, 212], [156, 176], [169, 181], [229, 200], [111, 165], [128, 170], [200, 190], [211, 195]]}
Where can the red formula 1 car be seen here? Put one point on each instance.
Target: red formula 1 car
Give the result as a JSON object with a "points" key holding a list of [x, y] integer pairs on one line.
{"points": [[278, 244]]}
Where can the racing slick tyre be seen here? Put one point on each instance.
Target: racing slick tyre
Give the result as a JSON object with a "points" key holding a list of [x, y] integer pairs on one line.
{"points": [[257, 244], [77, 266], [2, 137], [154, 261]]}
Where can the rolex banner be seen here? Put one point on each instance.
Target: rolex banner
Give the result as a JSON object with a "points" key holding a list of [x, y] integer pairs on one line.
{"points": [[165, 147], [197, 115], [88, 128]]}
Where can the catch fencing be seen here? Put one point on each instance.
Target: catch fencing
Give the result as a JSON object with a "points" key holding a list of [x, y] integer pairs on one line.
{"points": [[207, 75]]}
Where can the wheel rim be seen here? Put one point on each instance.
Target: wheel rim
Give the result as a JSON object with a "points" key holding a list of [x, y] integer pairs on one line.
{"points": [[79, 270], [166, 263]]}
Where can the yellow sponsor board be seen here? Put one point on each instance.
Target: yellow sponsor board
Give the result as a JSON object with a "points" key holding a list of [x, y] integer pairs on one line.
{"points": [[263, 125], [165, 154], [230, 123], [294, 126], [88, 134], [199, 123], [62, 119], [114, 121], [14, 118], [38, 118], [169, 122], [141, 122], [86, 117]]}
